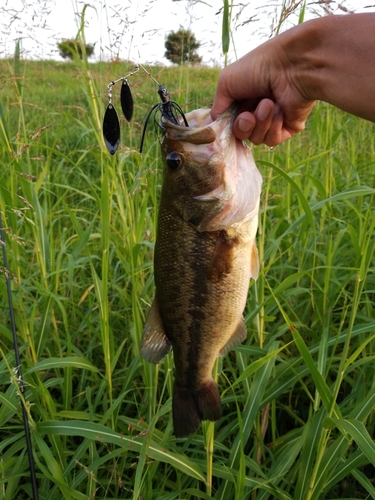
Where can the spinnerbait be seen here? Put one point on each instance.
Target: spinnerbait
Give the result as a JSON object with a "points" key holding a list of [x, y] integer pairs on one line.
{"points": [[168, 109]]}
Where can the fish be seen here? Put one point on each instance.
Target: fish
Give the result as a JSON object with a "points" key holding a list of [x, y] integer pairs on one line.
{"points": [[205, 255]]}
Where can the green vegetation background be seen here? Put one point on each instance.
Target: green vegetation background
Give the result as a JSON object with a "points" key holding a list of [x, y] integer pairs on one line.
{"points": [[298, 395]]}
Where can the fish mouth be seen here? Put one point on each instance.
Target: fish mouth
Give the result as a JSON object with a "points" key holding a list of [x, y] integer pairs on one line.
{"points": [[202, 129]]}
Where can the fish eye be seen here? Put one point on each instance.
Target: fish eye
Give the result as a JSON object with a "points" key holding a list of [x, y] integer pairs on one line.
{"points": [[173, 160]]}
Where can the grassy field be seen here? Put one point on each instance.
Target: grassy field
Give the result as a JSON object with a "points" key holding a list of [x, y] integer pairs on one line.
{"points": [[298, 396]]}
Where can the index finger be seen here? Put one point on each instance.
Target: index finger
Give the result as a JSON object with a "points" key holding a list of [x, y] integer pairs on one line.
{"points": [[235, 84], [222, 99]]}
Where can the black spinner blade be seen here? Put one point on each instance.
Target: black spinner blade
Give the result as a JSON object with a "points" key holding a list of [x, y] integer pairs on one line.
{"points": [[111, 129], [126, 98]]}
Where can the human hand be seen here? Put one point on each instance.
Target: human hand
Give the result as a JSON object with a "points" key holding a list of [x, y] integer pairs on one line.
{"points": [[272, 107], [276, 85]]}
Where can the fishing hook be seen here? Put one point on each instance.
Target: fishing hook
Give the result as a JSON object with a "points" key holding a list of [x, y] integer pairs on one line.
{"points": [[168, 109]]}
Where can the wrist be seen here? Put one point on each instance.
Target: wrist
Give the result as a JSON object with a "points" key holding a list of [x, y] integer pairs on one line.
{"points": [[331, 59], [305, 58]]}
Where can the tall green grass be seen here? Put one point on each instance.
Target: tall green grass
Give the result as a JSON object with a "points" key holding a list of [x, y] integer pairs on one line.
{"points": [[298, 395]]}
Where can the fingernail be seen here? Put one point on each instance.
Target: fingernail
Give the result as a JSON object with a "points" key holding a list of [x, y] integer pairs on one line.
{"points": [[245, 125], [263, 112]]}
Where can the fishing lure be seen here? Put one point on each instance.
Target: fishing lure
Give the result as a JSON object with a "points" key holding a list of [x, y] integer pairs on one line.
{"points": [[168, 109], [111, 123]]}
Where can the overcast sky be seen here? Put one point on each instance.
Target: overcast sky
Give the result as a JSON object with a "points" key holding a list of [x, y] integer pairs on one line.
{"points": [[136, 30]]}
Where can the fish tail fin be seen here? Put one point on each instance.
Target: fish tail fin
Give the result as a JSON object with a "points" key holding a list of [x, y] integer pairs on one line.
{"points": [[190, 407]]}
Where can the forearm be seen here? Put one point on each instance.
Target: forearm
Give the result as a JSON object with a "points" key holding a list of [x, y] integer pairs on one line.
{"points": [[333, 59]]}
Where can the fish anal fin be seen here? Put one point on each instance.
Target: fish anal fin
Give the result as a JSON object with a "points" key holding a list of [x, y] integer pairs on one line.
{"points": [[190, 407], [154, 344], [254, 262], [237, 338]]}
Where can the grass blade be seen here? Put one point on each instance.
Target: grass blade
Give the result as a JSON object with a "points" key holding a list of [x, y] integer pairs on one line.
{"points": [[68, 362], [359, 433], [104, 434]]}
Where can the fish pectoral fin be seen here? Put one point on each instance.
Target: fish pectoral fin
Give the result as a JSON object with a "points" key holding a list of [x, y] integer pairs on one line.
{"points": [[222, 259], [237, 338], [154, 344], [254, 262]]}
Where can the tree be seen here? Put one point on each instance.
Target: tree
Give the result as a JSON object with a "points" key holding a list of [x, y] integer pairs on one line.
{"points": [[181, 47], [69, 48]]}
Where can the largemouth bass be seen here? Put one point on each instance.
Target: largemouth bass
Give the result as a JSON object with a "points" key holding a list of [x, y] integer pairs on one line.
{"points": [[205, 255]]}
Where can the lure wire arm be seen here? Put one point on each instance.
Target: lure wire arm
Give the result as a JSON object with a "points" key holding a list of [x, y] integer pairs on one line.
{"points": [[123, 78]]}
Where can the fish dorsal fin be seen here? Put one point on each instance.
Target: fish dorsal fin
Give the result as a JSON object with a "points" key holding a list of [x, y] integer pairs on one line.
{"points": [[154, 344], [254, 262], [238, 336]]}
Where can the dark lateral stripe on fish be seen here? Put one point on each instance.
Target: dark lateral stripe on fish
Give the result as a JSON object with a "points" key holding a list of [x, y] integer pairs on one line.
{"points": [[189, 372], [198, 316]]}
